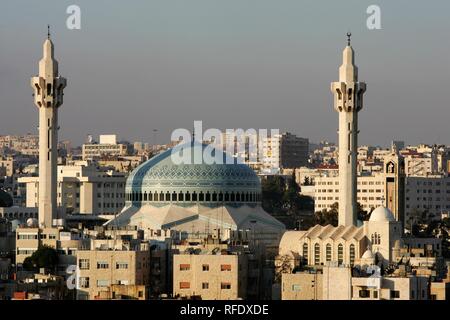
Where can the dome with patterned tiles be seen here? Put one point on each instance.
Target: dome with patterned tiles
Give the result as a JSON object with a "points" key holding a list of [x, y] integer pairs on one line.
{"points": [[164, 179]]}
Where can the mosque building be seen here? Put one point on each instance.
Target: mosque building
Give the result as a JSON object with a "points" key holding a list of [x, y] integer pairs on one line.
{"points": [[201, 198]]}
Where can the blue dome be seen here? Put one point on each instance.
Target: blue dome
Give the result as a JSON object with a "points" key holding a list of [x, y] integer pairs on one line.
{"points": [[161, 180]]}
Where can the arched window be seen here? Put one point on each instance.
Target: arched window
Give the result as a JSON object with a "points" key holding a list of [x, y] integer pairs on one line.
{"points": [[305, 252], [232, 197], [379, 239], [188, 196], [372, 238], [201, 196], [214, 196], [328, 252], [220, 196], [174, 196], [340, 253], [238, 197], [352, 254], [161, 196], [150, 196], [145, 196], [247, 198], [194, 196], [317, 254], [227, 197], [180, 196], [140, 196], [208, 196], [167, 196]]}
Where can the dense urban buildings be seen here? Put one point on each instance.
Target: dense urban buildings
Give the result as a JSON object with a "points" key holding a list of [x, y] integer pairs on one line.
{"points": [[127, 220]]}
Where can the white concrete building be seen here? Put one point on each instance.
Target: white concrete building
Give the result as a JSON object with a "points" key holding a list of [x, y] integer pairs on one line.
{"points": [[107, 147], [83, 189]]}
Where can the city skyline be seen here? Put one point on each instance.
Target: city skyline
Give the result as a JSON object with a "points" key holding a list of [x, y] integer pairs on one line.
{"points": [[274, 72]]}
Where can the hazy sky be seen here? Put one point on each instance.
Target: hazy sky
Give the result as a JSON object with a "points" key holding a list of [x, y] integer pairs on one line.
{"points": [[136, 66]]}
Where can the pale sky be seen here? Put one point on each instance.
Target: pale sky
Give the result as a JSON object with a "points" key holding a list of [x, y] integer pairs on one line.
{"points": [[136, 66]]}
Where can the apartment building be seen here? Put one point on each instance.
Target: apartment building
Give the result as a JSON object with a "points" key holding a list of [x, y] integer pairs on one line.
{"points": [[83, 189]]}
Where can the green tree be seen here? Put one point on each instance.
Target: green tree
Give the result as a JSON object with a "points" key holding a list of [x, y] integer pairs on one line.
{"points": [[272, 194], [44, 257]]}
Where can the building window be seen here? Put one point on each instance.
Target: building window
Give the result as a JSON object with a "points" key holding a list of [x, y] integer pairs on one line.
{"points": [[205, 267], [295, 287], [225, 285], [102, 265], [84, 264], [395, 294], [364, 293], [305, 252], [185, 285], [317, 254], [328, 252], [205, 285], [121, 265], [340, 253], [84, 282], [102, 283], [225, 267], [352, 254], [185, 267]]}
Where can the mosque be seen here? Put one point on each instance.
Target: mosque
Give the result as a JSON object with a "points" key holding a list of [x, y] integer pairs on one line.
{"points": [[196, 198]]}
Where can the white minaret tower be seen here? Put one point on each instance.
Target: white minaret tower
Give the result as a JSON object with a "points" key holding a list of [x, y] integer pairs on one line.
{"points": [[348, 101], [48, 89]]}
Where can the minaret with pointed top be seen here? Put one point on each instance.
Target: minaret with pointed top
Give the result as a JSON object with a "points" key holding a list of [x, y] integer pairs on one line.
{"points": [[48, 89], [348, 101]]}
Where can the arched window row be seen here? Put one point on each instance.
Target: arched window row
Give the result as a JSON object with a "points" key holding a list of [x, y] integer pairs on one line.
{"points": [[317, 257], [193, 196]]}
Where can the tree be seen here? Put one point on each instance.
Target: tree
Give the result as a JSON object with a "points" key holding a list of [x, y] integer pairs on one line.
{"points": [[272, 193], [326, 217], [44, 257]]}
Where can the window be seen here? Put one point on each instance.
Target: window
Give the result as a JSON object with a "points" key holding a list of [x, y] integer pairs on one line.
{"points": [[364, 293], [305, 251], [317, 254], [395, 294], [225, 285], [352, 254], [102, 265], [84, 264], [185, 285], [375, 294], [225, 267], [205, 267], [185, 267], [205, 285], [340, 253], [295, 287], [121, 265], [328, 252], [84, 282], [102, 283]]}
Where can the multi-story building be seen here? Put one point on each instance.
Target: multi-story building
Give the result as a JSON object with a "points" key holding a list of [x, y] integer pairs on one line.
{"points": [[372, 190], [284, 151], [83, 189], [107, 147], [338, 283], [113, 262], [6, 166]]}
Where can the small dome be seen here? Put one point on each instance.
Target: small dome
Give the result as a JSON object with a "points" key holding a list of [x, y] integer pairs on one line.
{"points": [[381, 214], [368, 254]]}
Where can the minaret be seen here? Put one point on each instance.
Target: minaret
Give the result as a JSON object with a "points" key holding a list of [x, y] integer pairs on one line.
{"points": [[48, 96], [348, 101]]}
